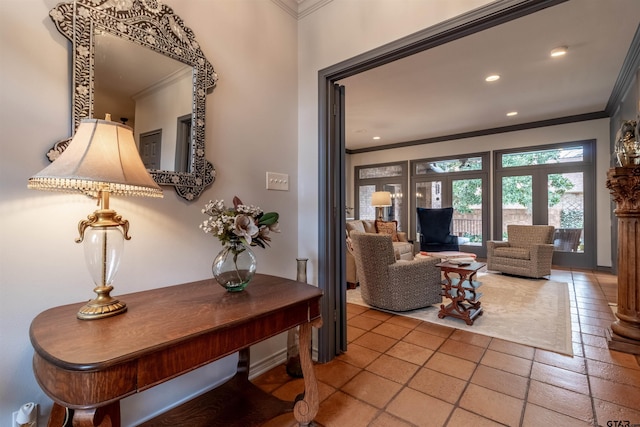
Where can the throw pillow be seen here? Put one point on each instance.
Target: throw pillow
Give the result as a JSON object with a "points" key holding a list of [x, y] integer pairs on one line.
{"points": [[388, 227], [435, 224]]}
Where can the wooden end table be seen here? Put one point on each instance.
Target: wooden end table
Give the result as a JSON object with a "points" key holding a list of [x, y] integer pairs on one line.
{"points": [[88, 366], [461, 290]]}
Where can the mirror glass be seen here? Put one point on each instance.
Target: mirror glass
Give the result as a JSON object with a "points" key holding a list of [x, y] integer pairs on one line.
{"points": [[149, 92], [138, 61]]}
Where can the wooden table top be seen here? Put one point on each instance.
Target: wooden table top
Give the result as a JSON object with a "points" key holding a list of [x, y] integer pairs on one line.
{"points": [[160, 318]]}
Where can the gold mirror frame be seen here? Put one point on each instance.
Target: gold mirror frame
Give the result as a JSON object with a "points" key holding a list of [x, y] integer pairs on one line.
{"points": [[153, 25]]}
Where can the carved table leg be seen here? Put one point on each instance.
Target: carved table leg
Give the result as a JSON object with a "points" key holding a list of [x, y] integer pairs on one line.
{"points": [[105, 416], [307, 404]]}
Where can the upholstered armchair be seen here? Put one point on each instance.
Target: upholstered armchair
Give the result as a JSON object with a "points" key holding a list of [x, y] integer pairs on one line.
{"points": [[528, 251], [392, 284], [402, 247], [435, 230]]}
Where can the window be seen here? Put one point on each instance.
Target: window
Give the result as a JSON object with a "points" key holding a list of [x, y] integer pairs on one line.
{"points": [[545, 185], [391, 177], [460, 182]]}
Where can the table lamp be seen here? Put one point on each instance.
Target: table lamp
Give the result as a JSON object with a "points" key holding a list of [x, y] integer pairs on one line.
{"points": [[379, 200], [101, 159]]}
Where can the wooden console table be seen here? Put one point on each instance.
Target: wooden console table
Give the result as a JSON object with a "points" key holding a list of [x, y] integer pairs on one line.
{"points": [[88, 366], [462, 291]]}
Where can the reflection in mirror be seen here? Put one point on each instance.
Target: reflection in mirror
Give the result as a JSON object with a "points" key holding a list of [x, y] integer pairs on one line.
{"points": [[149, 92], [169, 128]]}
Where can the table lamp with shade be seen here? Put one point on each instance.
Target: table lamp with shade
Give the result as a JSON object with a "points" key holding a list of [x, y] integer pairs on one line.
{"points": [[379, 200], [101, 159]]}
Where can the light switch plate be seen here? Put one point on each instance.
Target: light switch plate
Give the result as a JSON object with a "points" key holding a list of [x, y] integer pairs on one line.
{"points": [[277, 181]]}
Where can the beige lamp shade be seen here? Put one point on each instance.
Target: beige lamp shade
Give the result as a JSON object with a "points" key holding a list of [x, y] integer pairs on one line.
{"points": [[381, 199], [101, 156]]}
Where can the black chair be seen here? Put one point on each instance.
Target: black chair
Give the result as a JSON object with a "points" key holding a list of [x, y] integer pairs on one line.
{"points": [[435, 230]]}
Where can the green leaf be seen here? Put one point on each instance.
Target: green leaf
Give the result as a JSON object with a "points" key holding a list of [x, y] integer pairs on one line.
{"points": [[269, 218]]}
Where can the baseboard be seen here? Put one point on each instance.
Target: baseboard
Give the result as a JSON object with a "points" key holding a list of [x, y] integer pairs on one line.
{"points": [[261, 366]]}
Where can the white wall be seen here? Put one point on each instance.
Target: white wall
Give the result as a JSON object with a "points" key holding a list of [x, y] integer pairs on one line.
{"points": [[251, 128], [336, 32], [594, 129]]}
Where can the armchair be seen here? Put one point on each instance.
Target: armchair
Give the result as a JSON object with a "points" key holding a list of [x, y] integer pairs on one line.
{"points": [[391, 284], [528, 252], [402, 247], [435, 230]]}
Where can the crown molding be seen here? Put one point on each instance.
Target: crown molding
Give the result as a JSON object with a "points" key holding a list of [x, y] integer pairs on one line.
{"points": [[300, 8]]}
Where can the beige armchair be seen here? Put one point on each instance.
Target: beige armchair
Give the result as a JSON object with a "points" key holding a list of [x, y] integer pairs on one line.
{"points": [[402, 248], [392, 284], [528, 251]]}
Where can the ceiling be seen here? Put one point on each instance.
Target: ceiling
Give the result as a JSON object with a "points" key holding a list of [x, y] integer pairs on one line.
{"points": [[442, 91]]}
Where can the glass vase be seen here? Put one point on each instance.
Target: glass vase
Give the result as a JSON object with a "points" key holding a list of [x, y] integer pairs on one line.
{"points": [[234, 267]]}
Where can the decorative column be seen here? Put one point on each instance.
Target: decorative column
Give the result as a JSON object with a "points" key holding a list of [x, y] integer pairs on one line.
{"points": [[624, 184]]}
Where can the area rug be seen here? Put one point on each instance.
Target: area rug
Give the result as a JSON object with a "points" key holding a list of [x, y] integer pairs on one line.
{"points": [[532, 312]]}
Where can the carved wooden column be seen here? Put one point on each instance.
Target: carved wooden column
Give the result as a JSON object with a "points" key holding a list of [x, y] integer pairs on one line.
{"points": [[624, 184]]}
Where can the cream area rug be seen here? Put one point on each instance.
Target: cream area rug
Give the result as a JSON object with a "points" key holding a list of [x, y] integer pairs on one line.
{"points": [[526, 311]]}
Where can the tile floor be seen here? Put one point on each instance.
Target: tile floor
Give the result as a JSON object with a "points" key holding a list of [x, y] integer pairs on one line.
{"points": [[399, 371]]}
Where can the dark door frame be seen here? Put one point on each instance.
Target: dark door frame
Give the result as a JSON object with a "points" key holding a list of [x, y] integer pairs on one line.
{"points": [[331, 180]]}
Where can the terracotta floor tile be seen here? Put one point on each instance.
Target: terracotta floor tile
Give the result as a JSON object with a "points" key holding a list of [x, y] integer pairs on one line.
{"points": [[375, 342], [512, 348], [462, 350], [595, 341], [341, 410], [406, 322], [560, 400], [575, 364], [359, 356], [461, 417], [607, 411], [387, 420], [335, 373], [435, 329], [272, 379], [560, 377], [536, 416], [355, 309], [620, 394], [390, 330], [594, 321], [363, 322], [491, 404], [284, 420], [419, 408], [598, 314], [438, 385], [451, 365], [393, 369], [471, 338], [613, 373], [353, 333], [378, 315], [410, 352], [611, 356], [424, 339], [372, 389], [500, 381], [507, 362], [289, 390]]}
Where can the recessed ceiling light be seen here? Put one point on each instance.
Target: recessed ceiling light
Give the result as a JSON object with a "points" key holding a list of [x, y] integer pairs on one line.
{"points": [[492, 78], [559, 51], [512, 113], [376, 138]]}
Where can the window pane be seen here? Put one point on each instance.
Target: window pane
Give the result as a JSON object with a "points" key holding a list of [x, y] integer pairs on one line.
{"points": [[365, 210], [429, 194], [566, 210], [394, 212], [454, 165], [517, 195], [542, 157], [380, 172], [467, 205]]}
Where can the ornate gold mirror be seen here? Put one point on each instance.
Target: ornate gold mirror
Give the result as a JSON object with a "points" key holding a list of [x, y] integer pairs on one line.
{"points": [[136, 60]]}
